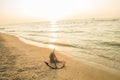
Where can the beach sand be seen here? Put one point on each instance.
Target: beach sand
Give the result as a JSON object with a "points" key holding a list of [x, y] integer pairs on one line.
{"points": [[21, 61]]}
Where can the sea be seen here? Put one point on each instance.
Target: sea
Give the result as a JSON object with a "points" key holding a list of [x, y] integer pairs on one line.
{"points": [[95, 40]]}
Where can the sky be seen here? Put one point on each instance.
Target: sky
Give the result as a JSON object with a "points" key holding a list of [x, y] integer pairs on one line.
{"points": [[35, 10]]}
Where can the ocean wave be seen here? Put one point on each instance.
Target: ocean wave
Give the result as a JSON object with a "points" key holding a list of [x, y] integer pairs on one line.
{"points": [[42, 35], [109, 58], [54, 43], [115, 44], [2, 28], [106, 19], [54, 31]]}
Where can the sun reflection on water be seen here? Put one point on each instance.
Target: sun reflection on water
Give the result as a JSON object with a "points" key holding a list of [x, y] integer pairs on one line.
{"points": [[53, 35], [54, 29], [52, 40]]}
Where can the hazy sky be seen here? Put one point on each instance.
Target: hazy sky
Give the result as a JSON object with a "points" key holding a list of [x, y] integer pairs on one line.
{"points": [[20, 10]]}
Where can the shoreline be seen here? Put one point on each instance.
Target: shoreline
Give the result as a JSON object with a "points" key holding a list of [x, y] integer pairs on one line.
{"points": [[29, 57], [37, 44]]}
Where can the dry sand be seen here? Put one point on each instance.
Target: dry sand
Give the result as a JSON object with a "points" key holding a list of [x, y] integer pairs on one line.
{"points": [[20, 61]]}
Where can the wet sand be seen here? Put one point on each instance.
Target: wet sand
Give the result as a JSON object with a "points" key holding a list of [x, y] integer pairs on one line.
{"points": [[21, 61]]}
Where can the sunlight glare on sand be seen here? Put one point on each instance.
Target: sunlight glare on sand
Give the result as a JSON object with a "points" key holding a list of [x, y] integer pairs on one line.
{"points": [[51, 46]]}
